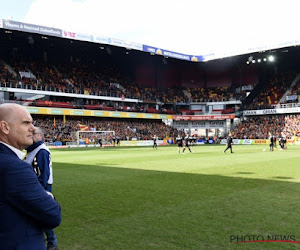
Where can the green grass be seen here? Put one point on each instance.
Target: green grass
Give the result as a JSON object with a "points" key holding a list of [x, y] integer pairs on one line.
{"points": [[140, 198]]}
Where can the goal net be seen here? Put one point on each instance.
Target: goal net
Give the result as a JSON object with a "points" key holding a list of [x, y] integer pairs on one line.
{"points": [[95, 137]]}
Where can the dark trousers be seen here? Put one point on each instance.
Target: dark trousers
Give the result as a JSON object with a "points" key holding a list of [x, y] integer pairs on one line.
{"points": [[228, 146]]}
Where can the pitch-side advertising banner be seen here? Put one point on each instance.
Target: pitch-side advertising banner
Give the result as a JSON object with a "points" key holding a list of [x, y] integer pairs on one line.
{"points": [[295, 141], [245, 141], [142, 143]]}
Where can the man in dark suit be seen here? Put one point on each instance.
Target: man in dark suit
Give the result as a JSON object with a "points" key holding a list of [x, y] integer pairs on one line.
{"points": [[26, 208], [229, 143]]}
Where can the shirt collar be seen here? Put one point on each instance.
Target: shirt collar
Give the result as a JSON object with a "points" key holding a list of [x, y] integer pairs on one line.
{"points": [[18, 152], [34, 146]]}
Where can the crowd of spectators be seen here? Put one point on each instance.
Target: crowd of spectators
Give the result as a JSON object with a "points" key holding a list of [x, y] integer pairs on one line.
{"points": [[86, 79], [56, 129], [216, 94], [260, 127], [295, 94], [273, 91]]}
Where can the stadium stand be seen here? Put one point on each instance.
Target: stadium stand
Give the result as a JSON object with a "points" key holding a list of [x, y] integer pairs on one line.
{"points": [[136, 82], [259, 127], [272, 92]]}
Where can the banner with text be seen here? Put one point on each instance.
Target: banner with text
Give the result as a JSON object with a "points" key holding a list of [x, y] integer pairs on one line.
{"points": [[272, 111], [199, 124], [31, 28], [202, 117]]}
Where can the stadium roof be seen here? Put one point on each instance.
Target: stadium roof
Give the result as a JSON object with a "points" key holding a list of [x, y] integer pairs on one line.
{"points": [[189, 30]]}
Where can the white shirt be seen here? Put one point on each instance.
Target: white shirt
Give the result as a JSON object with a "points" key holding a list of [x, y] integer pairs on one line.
{"points": [[18, 152]]}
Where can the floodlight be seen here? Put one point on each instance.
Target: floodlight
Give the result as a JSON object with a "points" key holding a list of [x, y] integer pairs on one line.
{"points": [[271, 58], [258, 60]]}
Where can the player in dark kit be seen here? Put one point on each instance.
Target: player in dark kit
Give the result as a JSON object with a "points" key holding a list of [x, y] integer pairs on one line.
{"points": [[186, 144], [114, 140], [272, 140], [100, 141], [179, 141], [155, 142], [229, 143], [282, 141]]}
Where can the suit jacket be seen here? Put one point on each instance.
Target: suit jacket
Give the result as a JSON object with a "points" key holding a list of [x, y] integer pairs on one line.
{"points": [[25, 207], [229, 140]]}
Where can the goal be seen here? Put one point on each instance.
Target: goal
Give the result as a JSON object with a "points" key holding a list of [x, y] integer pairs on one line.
{"points": [[93, 137]]}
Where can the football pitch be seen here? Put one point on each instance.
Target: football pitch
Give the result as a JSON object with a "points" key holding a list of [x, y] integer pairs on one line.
{"points": [[141, 198]]}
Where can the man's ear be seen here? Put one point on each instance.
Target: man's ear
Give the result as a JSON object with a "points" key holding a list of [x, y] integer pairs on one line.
{"points": [[4, 127]]}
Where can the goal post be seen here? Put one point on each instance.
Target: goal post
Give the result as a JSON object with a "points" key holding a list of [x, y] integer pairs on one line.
{"points": [[93, 137]]}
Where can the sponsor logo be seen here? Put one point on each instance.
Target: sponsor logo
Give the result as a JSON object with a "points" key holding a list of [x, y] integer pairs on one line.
{"points": [[69, 34], [159, 52], [216, 123], [260, 141], [269, 111], [57, 111], [33, 110], [99, 113], [247, 141], [250, 112], [79, 112], [84, 37], [236, 141]]}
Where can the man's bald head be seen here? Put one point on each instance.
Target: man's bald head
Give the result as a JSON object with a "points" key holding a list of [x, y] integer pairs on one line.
{"points": [[9, 110], [16, 127]]}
